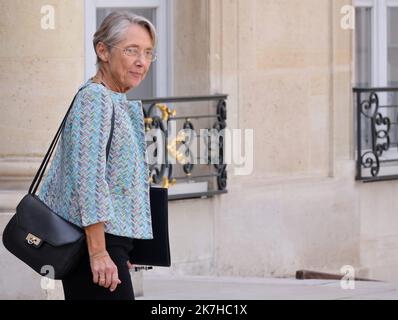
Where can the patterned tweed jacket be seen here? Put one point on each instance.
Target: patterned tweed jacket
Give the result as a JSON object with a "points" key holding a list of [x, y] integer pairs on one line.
{"points": [[81, 185]]}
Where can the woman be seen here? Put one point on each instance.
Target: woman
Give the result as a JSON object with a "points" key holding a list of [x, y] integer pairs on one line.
{"points": [[107, 195]]}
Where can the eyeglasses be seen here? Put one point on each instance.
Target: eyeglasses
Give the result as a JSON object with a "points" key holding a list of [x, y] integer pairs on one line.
{"points": [[149, 55]]}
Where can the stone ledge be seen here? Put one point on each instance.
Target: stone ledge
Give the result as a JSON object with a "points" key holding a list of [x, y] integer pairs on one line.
{"points": [[18, 172], [19, 166]]}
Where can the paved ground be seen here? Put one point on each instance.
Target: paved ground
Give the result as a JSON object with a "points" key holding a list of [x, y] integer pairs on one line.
{"points": [[158, 287]]}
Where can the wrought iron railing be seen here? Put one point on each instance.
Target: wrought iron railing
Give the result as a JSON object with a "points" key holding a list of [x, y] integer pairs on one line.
{"points": [[184, 123], [376, 133]]}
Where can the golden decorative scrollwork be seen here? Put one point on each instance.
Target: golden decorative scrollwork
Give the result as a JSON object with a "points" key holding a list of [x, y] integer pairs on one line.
{"points": [[167, 183], [166, 112]]}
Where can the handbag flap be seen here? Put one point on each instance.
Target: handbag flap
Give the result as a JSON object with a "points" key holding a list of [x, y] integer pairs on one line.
{"points": [[37, 218]]}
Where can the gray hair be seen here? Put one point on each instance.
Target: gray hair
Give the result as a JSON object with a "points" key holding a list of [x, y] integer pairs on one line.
{"points": [[114, 27]]}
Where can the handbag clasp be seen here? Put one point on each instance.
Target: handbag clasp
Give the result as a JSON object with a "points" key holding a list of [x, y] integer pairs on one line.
{"points": [[33, 240]]}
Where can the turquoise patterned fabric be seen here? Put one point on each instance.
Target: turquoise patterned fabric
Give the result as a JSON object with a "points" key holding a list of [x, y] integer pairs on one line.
{"points": [[81, 186]]}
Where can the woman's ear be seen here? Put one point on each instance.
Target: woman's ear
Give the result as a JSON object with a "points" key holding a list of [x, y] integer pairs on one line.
{"points": [[102, 51]]}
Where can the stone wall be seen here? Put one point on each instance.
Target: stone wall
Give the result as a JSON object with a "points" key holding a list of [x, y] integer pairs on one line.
{"points": [[287, 68]]}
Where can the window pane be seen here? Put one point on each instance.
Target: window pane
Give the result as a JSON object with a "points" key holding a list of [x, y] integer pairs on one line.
{"points": [[392, 42], [147, 88], [363, 61], [363, 47]]}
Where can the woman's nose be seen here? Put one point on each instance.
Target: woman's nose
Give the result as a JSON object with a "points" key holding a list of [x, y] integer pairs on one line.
{"points": [[138, 65], [140, 61]]}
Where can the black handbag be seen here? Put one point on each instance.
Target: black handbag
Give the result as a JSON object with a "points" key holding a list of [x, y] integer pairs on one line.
{"points": [[49, 244], [156, 251]]}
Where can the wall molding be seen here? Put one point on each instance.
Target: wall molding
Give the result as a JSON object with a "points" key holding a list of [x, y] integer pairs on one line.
{"points": [[18, 172]]}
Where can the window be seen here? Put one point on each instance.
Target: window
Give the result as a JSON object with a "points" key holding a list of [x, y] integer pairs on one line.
{"points": [[376, 66], [376, 41], [392, 46], [158, 78], [363, 47]]}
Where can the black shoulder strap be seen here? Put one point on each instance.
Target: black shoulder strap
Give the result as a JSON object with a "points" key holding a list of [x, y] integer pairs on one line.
{"points": [[108, 146], [39, 175]]}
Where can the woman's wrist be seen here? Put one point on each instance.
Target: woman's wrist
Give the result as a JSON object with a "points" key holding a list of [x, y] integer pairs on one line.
{"points": [[100, 254], [95, 237]]}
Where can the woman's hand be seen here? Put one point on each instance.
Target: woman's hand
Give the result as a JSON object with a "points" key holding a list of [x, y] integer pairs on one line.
{"points": [[104, 271]]}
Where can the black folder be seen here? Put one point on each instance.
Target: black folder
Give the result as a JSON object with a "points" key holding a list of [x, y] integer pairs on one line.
{"points": [[156, 251]]}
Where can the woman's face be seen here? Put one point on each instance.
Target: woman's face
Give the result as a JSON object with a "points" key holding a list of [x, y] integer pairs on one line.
{"points": [[128, 71]]}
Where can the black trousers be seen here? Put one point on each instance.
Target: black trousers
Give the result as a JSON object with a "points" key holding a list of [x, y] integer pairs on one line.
{"points": [[79, 285]]}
